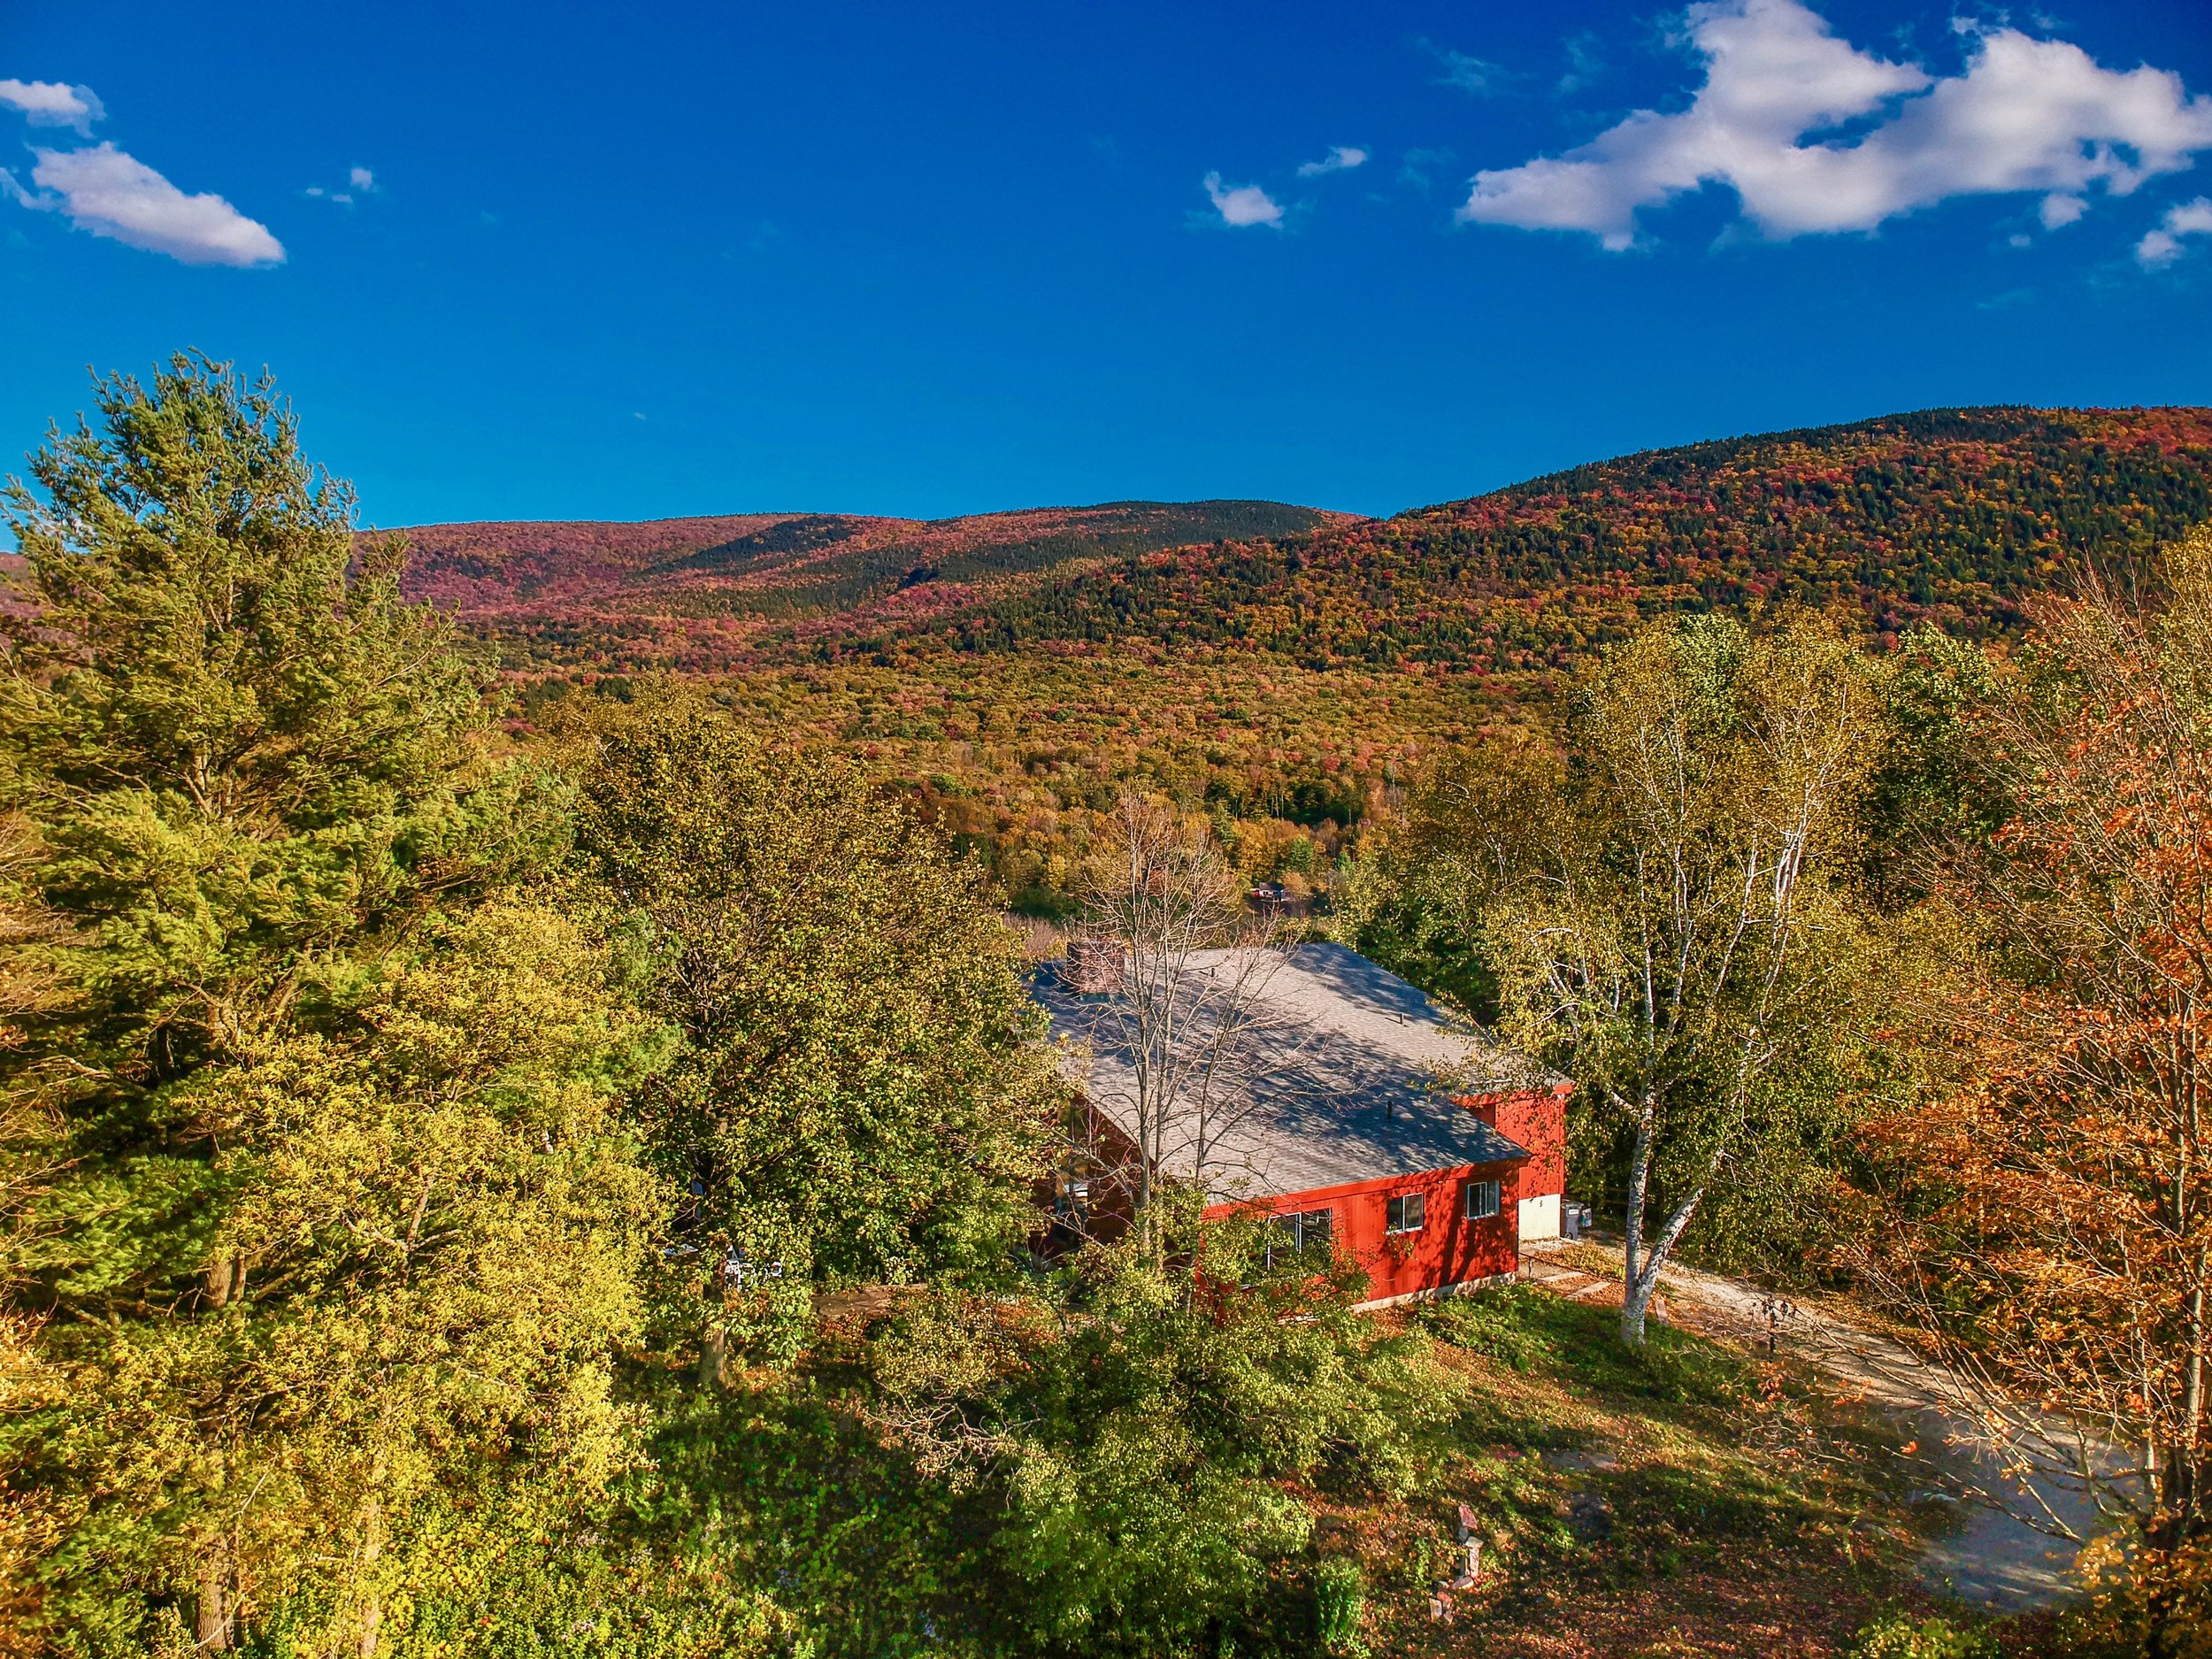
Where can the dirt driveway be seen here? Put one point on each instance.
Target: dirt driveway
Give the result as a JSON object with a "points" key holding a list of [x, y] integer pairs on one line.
{"points": [[1989, 1554]]}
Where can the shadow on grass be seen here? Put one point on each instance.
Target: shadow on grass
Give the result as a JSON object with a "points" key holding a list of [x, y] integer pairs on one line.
{"points": [[1525, 1330], [1618, 1466]]}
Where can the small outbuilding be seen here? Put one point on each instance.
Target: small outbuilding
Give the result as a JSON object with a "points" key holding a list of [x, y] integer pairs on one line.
{"points": [[1358, 1113]]}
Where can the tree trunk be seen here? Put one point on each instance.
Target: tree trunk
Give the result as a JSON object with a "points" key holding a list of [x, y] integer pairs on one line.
{"points": [[714, 1341], [1640, 1277], [2184, 1492], [211, 1623], [714, 1353], [1636, 1294], [225, 1278], [373, 1599], [2173, 1627], [1148, 1162], [1633, 1300]]}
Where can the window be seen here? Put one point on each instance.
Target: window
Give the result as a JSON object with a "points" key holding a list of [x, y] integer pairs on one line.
{"points": [[1073, 1199], [1482, 1200], [1305, 1233], [1405, 1213]]}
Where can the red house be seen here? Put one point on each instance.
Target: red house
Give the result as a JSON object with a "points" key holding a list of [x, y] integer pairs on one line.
{"points": [[1356, 1111]]}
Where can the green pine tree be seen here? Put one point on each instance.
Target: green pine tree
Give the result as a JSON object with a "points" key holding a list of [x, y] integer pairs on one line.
{"points": [[335, 1204]]}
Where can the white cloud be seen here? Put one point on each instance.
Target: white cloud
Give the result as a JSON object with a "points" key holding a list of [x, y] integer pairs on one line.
{"points": [[2058, 210], [1242, 204], [2027, 115], [110, 194], [1341, 158], [1471, 76], [1585, 63], [357, 179], [51, 103], [2163, 246]]}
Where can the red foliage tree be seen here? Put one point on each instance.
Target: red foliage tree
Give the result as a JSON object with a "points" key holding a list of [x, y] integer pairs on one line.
{"points": [[2064, 1169]]}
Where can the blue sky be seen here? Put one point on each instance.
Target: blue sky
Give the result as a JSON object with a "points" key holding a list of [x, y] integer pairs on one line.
{"points": [[561, 261]]}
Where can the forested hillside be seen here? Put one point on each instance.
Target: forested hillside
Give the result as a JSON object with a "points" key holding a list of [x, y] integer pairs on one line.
{"points": [[693, 593], [1949, 516], [1291, 669]]}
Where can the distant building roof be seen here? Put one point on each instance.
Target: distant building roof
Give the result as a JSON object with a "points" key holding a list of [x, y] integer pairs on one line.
{"points": [[1350, 1085]]}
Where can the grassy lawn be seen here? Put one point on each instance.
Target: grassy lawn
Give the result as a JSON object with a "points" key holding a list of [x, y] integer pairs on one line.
{"points": [[1686, 1500]]}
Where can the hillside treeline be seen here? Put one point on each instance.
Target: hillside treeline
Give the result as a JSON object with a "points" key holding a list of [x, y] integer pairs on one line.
{"points": [[1952, 519], [1296, 681], [690, 594]]}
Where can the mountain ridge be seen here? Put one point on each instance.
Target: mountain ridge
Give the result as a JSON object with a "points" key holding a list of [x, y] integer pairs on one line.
{"points": [[785, 565], [1954, 516], [1951, 516]]}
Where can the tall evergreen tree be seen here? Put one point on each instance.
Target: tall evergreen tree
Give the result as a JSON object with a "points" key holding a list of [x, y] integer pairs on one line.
{"points": [[246, 754], [338, 1193]]}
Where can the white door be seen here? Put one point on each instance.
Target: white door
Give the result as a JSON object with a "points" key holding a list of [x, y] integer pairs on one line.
{"points": [[1540, 1216]]}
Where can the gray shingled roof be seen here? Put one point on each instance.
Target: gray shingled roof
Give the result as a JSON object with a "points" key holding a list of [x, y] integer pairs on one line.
{"points": [[1346, 1090]]}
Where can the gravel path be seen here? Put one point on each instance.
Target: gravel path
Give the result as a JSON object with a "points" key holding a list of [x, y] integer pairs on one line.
{"points": [[1990, 1555]]}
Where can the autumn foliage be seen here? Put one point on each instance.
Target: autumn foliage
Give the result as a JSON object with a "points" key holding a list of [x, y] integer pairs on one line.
{"points": [[1013, 673], [1954, 517], [1951, 517], [2062, 1168]]}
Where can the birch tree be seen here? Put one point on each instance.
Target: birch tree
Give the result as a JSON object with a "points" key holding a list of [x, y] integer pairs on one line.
{"points": [[1668, 905]]}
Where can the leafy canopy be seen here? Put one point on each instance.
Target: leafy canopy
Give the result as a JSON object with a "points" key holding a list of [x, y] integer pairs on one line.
{"points": [[859, 1095], [2058, 1210], [244, 751], [1668, 905]]}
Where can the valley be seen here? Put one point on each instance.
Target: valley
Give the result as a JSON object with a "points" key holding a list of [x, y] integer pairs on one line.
{"points": [[1288, 668]]}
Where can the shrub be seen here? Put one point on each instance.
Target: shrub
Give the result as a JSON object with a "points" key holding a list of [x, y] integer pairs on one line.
{"points": [[1339, 1598], [1896, 1637]]}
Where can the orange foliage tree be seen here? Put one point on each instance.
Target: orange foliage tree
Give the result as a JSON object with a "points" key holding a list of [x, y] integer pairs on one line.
{"points": [[2061, 1171]]}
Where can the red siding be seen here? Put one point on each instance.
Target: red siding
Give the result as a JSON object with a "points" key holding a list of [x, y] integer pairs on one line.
{"points": [[1537, 1120], [1448, 1249]]}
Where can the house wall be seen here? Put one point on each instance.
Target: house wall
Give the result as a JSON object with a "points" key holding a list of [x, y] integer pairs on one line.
{"points": [[1106, 1163], [1449, 1251], [1540, 1216], [1537, 1120]]}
